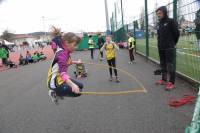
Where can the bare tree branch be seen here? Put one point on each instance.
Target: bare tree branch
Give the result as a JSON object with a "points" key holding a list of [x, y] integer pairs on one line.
{"points": [[6, 35]]}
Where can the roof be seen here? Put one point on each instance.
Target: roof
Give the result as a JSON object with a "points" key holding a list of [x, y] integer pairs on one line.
{"points": [[23, 36], [8, 43]]}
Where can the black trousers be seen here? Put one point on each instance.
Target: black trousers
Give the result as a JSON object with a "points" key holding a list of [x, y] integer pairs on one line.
{"points": [[168, 64], [4, 61], [66, 91], [101, 52], [92, 53], [112, 66], [132, 58]]}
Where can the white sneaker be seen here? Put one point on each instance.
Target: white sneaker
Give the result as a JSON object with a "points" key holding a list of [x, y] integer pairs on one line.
{"points": [[130, 62], [117, 79], [53, 97]]}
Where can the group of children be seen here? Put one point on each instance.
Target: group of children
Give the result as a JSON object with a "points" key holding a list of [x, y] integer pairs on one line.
{"points": [[60, 84], [110, 49], [36, 57], [4, 54]]}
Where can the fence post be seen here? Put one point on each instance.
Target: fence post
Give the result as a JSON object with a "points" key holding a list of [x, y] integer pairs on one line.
{"points": [[122, 12], [175, 9], [107, 18], [123, 26], [147, 29], [195, 124], [134, 34], [116, 16]]}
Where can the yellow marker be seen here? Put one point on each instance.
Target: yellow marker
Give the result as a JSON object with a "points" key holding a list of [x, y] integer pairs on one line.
{"points": [[138, 90]]}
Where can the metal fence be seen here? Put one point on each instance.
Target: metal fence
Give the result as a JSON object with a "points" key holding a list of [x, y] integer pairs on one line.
{"points": [[187, 13]]}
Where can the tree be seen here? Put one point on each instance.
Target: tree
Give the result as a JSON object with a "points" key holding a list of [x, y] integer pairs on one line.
{"points": [[85, 34], [136, 24], [197, 23], [142, 15], [181, 21], [154, 17], [142, 26], [6, 35]]}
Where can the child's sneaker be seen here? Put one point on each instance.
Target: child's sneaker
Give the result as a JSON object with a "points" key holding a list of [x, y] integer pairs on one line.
{"points": [[52, 95], [130, 62], [61, 97], [161, 82], [117, 79], [110, 79], [169, 86], [134, 61]]}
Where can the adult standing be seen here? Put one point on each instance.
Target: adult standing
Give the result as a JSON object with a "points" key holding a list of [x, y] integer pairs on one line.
{"points": [[101, 42], [168, 36], [131, 46]]}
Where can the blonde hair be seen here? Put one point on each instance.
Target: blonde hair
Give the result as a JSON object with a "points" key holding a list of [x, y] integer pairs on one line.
{"points": [[55, 31], [71, 37]]}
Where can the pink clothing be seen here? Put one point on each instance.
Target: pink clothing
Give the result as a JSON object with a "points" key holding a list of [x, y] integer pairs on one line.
{"points": [[64, 76], [53, 45]]}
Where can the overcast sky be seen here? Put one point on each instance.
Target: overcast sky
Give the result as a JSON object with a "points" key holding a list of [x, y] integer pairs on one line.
{"points": [[24, 16]]}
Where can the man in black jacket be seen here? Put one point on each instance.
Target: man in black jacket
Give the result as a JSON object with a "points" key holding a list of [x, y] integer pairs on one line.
{"points": [[168, 35]]}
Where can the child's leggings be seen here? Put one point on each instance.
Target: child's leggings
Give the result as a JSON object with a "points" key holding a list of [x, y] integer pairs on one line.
{"points": [[66, 91], [92, 53], [132, 58], [112, 64]]}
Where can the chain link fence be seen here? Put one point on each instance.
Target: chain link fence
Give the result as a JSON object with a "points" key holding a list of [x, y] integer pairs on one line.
{"points": [[187, 13]]}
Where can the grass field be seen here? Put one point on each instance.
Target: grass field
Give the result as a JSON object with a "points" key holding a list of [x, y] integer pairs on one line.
{"points": [[188, 55]]}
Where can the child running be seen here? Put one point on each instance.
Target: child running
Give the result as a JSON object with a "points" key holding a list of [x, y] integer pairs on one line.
{"points": [[59, 82], [110, 47]]}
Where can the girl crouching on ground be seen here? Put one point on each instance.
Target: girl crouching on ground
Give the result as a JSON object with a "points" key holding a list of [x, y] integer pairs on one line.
{"points": [[59, 82]]}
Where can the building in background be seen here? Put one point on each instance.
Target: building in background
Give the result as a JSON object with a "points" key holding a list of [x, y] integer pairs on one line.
{"points": [[20, 39], [187, 9]]}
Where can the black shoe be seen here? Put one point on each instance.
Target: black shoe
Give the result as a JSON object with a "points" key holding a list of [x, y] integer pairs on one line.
{"points": [[53, 96]]}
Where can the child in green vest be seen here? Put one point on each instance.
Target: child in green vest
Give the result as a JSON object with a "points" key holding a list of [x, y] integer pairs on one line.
{"points": [[3, 55], [131, 46], [91, 46]]}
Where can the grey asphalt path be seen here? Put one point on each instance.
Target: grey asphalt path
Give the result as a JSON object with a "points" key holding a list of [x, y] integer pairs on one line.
{"points": [[25, 106]]}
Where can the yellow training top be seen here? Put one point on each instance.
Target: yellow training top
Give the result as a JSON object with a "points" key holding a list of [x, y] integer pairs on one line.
{"points": [[131, 40], [110, 51]]}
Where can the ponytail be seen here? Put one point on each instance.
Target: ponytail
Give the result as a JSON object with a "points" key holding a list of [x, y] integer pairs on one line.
{"points": [[55, 31]]}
